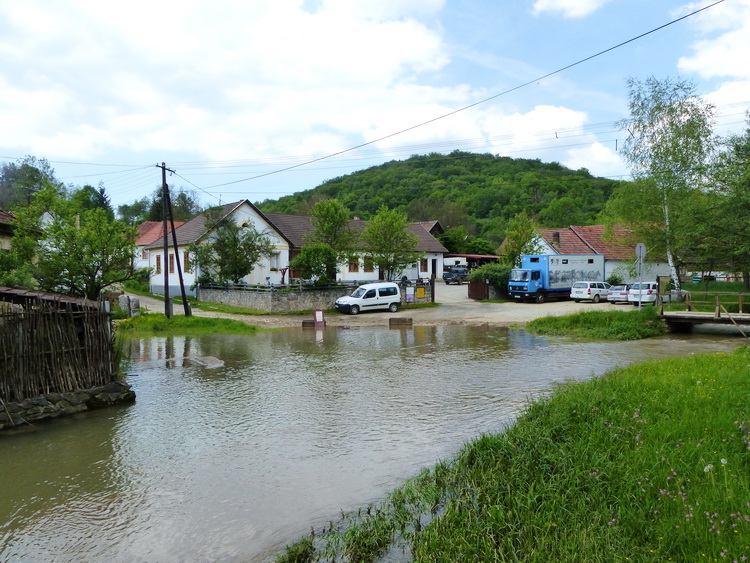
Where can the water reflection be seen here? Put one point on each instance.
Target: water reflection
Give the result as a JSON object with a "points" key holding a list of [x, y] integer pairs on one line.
{"points": [[230, 461]]}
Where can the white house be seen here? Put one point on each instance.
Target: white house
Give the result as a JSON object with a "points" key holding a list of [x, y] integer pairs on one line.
{"points": [[243, 213], [362, 268], [287, 234]]}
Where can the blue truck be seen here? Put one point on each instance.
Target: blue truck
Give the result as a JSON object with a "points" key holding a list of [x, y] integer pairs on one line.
{"points": [[545, 276]]}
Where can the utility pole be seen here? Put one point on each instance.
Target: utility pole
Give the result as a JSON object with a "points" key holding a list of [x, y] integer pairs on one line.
{"points": [[167, 212], [185, 304], [164, 211]]}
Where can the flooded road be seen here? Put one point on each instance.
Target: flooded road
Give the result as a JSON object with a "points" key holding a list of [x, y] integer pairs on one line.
{"points": [[238, 445]]}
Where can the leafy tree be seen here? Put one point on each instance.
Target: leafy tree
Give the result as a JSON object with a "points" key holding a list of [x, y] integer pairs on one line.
{"points": [[455, 240], [669, 146], [331, 227], [476, 245], [730, 206], [69, 249], [230, 252], [89, 197], [19, 182], [314, 262], [392, 245], [134, 213], [521, 237], [185, 205]]}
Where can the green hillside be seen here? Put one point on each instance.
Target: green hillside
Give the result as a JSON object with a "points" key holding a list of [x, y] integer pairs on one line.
{"points": [[478, 191]]}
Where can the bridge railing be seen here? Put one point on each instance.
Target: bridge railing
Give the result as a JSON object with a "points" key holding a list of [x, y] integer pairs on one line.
{"points": [[705, 302]]}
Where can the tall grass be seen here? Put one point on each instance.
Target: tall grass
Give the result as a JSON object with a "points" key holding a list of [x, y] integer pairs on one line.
{"points": [[647, 463], [604, 325]]}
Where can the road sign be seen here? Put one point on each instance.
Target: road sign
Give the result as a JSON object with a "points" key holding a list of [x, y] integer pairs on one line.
{"points": [[640, 251]]}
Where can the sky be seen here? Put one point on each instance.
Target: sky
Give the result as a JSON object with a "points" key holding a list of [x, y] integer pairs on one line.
{"points": [[257, 99]]}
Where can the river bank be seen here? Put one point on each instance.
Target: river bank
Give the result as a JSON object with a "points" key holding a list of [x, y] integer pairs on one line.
{"points": [[455, 308], [647, 463]]}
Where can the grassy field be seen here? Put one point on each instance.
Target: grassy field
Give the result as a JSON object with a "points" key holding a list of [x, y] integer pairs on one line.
{"points": [[647, 463], [156, 323], [602, 325]]}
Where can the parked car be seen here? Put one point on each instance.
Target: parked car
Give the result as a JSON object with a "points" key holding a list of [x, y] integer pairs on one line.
{"points": [[371, 297], [589, 290], [618, 293], [645, 292], [456, 275]]}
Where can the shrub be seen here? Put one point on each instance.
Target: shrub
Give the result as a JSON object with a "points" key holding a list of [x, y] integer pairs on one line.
{"points": [[498, 275]]}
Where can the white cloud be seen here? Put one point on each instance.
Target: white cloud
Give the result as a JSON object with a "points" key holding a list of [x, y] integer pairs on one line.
{"points": [[603, 160], [726, 52], [218, 80], [568, 8]]}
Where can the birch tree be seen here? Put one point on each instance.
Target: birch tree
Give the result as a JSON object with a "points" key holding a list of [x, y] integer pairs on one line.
{"points": [[669, 146]]}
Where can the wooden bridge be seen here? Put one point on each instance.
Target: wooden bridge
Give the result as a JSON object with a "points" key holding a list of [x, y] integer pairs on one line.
{"points": [[683, 310]]}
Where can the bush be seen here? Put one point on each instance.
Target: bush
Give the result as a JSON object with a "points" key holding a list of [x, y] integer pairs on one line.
{"points": [[498, 275]]}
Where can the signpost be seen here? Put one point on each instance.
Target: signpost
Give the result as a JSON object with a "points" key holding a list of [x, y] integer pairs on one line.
{"points": [[640, 254]]}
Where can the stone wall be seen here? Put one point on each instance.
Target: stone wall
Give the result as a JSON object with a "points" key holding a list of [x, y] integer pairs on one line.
{"points": [[288, 301], [274, 301], [54, 405]]}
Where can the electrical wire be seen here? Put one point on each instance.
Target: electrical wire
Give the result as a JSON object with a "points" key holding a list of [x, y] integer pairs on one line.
{"points": [[483, 101]]}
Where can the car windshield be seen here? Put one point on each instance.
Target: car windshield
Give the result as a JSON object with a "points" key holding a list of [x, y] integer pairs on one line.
{"points": [[359, 292], [519, 275]]}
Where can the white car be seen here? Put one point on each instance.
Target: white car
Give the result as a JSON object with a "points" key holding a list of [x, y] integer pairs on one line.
{"points": [[371, 297], [589, 291], [644, 292]]}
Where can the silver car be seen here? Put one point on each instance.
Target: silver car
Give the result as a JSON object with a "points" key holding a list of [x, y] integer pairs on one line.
{"points": [[589, 291]]}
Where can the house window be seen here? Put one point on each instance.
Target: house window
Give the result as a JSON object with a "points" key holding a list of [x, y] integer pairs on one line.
{"points": [[354, 264], [186, 261], [369, 265], [171, 263], [274, 261], [144, 254], [423, 265], [158, 263]]}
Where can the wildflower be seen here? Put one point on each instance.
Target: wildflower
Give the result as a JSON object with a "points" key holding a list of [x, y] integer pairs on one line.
{"points": [[723, 461], [708, 468]]}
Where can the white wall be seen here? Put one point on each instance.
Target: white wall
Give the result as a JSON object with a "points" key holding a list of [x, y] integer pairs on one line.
{"points": [[626, 270]]}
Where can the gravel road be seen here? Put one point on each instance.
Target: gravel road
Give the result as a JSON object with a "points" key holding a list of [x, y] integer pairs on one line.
{"points": [[455, 308]]}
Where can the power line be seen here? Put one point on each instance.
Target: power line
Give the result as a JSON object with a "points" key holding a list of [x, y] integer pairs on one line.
{"points": [[454, 112]]}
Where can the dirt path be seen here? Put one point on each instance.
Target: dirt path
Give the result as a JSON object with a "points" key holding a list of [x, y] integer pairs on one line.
{"points": [[455, 308]]}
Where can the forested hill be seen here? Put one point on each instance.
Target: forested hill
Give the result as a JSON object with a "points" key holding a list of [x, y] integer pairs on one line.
{"points": [[478, 191]]}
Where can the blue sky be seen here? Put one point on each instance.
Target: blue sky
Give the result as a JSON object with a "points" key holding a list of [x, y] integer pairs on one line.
{"points": [[228, 93]]}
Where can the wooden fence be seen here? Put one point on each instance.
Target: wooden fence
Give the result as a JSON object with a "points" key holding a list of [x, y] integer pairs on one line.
{"points": [[56, 348]]}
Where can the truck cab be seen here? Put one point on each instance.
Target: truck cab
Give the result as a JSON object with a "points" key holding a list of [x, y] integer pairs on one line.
{"points": [[526, 284]]}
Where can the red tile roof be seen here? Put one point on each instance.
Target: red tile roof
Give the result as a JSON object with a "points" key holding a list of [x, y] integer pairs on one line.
{"points": [[152, 231], [615, 243]]}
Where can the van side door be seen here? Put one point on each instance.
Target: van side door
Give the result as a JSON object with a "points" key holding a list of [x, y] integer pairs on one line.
{"points": [[370, 299]]}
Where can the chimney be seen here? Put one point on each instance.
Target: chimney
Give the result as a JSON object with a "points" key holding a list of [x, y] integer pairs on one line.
{"points": [[556, 238]]}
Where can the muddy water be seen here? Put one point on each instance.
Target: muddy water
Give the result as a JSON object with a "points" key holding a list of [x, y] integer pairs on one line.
{"points": [[238, 445]]}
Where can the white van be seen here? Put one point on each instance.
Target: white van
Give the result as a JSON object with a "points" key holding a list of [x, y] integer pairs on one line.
{"points": [[371, 297]]}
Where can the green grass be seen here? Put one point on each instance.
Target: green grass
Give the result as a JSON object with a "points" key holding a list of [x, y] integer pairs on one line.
{"points": [[604, 325], [647, 463], [156, 323]]}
